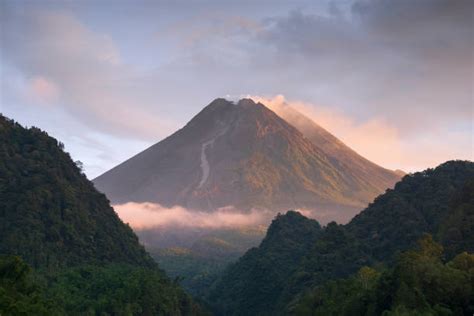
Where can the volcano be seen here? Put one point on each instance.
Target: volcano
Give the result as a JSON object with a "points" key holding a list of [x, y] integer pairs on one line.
{"points": [[245, 156]]}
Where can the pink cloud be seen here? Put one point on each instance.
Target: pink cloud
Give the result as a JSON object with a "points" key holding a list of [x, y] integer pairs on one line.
{"points": [[96, 86], [43, 89], [381, 142], [142, 216], [150, 215]]}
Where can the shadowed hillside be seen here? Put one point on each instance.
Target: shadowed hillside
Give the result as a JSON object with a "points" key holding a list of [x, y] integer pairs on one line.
{"points": [[435, 201], [85, 260]]}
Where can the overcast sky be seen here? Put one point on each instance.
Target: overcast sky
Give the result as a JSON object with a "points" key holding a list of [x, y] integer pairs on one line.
{"points": [[393, 79]]}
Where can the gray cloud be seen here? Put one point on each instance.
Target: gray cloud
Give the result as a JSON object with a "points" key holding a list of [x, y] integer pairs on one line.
{"points": [[144, 70], [406, 57], [90, 81]]}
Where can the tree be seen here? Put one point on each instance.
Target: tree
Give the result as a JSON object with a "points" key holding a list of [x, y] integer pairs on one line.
{"points": [[80, 165], [19, 295]]}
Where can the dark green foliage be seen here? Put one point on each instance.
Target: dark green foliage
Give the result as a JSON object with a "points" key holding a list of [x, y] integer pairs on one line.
{"points": [[118, 289], [457, 229], [195, 272], [418, 204], [419, 284], [114, 289], [352, 296], [201, 254], [334, 254], [86, 260], [50, 214], [253, 285], [19, 294], [437, 201]]}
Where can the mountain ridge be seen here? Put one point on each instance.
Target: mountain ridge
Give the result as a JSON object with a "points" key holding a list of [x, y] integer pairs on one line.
{"points": [[435, 201]]}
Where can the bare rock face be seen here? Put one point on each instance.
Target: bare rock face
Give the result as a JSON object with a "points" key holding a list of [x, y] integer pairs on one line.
{"points": [[247, 157]]}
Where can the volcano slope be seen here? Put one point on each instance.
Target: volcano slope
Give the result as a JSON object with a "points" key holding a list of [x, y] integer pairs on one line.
{"points": [[245, 157]]}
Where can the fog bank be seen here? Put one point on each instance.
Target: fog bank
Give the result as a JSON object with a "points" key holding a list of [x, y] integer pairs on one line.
{"points": [[149, 215]]}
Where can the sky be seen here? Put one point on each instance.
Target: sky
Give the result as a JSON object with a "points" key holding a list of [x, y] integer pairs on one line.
{"points": [[392, 79]]}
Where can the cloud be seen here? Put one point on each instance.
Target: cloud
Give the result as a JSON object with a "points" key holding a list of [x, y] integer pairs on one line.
{"points": [[393, 73], [375, 139], [149, 215], [44, 90], [381, 142], [56, 52], [397, 57]]}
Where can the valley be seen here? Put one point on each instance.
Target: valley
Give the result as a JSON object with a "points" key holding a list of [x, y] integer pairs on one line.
{"points": [[252, 162], [236, 158], [295, 266]]}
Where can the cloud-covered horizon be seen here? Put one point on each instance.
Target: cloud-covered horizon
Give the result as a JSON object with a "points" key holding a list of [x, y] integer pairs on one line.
{"points": [[379, 74]]}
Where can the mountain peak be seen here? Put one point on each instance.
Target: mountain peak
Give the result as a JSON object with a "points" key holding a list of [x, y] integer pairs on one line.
{"points": [[245, 155], [222, 110], [219, 102], [246, 102], [241, 103]]}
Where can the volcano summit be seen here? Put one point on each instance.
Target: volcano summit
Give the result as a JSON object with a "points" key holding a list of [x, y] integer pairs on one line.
{"points": [[245, 156]]}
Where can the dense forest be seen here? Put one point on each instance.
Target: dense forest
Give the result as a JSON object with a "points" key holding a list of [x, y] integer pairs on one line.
{"points": [[298, 257], [420, 283], [63, 248]]}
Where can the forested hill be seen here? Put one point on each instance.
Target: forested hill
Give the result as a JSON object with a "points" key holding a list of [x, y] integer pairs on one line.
{"points": [[427, 201], [50, 214], [85, 260], [255, 282], [436, 201]]}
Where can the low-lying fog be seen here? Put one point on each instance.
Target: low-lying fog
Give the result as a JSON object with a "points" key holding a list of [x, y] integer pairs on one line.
{"points": [[143, 216]]}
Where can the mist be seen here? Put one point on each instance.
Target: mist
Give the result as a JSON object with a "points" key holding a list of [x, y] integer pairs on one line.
{"points": [[147, 216], [142, 216]]}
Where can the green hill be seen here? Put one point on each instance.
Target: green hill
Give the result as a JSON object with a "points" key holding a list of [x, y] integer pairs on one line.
{"points": [[200, 263], [420, 283], [254, 284], [85, 260], [270, 279]]}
